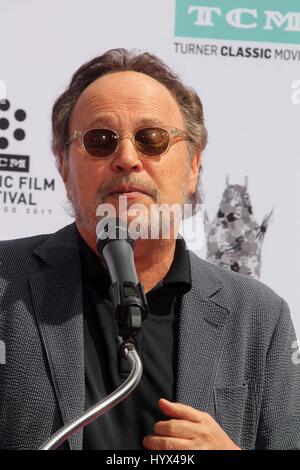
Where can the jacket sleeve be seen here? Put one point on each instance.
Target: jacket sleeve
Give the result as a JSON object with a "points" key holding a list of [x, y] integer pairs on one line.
{"points": [[279, 418]]}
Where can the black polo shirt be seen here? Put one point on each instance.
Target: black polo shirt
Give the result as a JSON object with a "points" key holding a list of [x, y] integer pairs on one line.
{"points": [[125, 426]]}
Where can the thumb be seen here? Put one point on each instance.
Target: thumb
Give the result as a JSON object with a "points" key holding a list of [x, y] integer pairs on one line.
{"points": [[179, 411]]}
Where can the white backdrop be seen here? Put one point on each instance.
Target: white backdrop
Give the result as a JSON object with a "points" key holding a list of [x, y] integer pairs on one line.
{"points": [[252, 120]]}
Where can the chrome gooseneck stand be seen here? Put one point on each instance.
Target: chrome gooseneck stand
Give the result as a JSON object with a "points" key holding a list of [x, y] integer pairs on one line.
{"points": [[129, 352], [130, 309]]}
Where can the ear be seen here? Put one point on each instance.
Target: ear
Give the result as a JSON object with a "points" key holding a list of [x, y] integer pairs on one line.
{"points": [[63, 165], [195, 165]]}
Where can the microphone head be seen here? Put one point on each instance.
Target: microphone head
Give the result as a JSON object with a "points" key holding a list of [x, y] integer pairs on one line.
{"points": [[110, 229]]}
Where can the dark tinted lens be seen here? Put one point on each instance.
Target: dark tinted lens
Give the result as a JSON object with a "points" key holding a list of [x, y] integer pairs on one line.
{"points": [[100, 143], [152, 141]]}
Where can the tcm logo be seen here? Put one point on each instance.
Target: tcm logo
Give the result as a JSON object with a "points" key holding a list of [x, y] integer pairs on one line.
{"points": [[14, 163], [10, 129], [279, 22]]}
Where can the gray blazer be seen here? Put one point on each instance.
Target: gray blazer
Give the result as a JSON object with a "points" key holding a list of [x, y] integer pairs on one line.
{"points": [[234, 348]]}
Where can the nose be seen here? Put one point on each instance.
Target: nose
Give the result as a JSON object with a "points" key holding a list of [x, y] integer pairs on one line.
{"points": [[126, 158]]}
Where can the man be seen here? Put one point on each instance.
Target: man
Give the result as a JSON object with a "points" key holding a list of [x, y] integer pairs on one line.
{"points": [[216, 346]]}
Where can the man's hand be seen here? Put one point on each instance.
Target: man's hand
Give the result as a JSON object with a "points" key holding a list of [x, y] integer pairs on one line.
{"points": [[189, 429]]}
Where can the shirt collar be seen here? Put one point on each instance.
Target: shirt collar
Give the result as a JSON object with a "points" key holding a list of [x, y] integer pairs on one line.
{"points": [[178, 278]]}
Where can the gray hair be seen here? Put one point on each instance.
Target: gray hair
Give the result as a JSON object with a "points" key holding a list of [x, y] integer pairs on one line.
{"points": [[120, 60]]}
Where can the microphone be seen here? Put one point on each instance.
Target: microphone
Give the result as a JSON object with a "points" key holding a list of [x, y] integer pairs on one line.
{"points": [[115, 243]]}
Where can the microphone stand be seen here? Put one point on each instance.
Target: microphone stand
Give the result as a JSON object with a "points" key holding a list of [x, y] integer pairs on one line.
{"points": [[128, 351], [130, 309]]}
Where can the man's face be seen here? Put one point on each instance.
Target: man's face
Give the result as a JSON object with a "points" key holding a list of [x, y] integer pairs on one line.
{"points": [[125, 101]]}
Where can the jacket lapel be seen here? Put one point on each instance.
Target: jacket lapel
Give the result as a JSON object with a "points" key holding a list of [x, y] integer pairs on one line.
{"points": [[57, 300], [202, 326]]}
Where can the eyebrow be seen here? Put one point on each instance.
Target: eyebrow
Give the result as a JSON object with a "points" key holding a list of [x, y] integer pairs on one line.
{"points": [[100, 120], [150, 122]]}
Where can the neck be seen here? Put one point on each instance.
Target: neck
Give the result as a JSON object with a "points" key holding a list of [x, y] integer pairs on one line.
{"points": [[152, 258]]}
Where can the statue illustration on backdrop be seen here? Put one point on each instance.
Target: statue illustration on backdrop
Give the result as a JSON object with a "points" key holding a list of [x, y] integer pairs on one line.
{"points": [[234, 238]]}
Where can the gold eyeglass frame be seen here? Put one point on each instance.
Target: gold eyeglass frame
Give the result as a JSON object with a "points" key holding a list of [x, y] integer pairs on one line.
{"points": [[175, 135]]}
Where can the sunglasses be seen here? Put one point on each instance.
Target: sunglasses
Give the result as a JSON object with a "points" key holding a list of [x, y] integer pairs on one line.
{"points": [[149, 141]]}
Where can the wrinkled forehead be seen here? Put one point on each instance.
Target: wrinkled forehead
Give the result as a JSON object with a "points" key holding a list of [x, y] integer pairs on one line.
{"points": [[122, 97]]}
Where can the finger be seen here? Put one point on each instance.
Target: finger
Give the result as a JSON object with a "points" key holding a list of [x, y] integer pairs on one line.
{"points": [[180, 411], [177, 428], [166, 443]]}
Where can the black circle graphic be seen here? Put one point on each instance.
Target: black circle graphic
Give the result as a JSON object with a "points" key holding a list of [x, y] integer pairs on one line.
{"points": [[4, 124], [19, 134], [3, 143], [20, 115], [4, 105]]}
